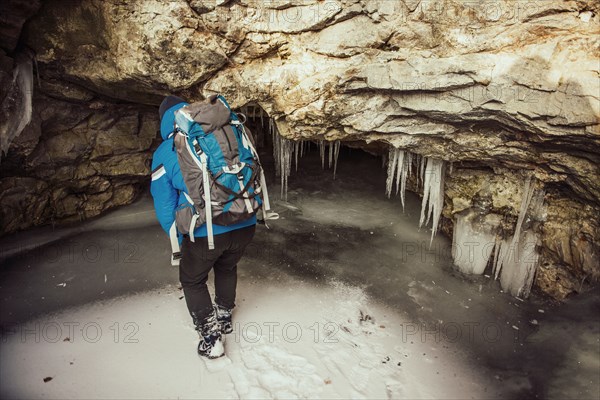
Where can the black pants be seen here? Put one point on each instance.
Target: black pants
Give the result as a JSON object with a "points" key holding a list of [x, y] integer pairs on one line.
{"points": [[197, 261]]}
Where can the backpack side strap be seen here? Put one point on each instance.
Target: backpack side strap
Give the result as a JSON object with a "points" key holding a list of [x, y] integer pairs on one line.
{"points": [[176, 251], [263, 181]]}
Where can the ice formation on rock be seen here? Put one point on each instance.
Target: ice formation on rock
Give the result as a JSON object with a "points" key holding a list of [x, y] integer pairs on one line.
{"points": [[433, 192], [473, 242], [333, 154], [400, 167], [322, 153], [22, 90], [255, 113], [515, 258], [432, 173], [297, 147], [336, 155], [282, 153]]}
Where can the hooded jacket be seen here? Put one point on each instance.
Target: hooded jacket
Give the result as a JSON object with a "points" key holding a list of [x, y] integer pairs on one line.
{"points": [[167, 186]]}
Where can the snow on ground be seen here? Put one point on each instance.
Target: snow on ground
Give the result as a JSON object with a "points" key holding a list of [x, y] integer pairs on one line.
{"points": [[316, 341]]}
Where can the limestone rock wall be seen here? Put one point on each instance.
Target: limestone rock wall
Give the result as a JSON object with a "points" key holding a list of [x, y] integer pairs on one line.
{"points": [[501, 89], [80, 156]]}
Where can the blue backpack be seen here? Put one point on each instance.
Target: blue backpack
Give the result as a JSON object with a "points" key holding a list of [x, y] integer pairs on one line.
{"points": [[220, 168]]}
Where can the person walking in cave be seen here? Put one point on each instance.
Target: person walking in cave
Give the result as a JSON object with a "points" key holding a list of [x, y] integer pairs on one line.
{"points": [[196, 259]]}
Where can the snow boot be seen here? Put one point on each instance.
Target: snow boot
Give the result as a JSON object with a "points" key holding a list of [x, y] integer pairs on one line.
{"points": [[211, 342], [224, 319]]}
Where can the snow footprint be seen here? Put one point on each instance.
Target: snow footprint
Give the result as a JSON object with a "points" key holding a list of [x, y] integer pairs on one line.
{"points": [[270, 371]]}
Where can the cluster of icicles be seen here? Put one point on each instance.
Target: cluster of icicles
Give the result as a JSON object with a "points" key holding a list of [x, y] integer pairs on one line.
{"points": [[431, 173], [284, 150], [514, 258]]}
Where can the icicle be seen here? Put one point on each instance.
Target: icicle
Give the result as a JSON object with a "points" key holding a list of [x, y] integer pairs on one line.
{"points": [[322, 151], [400, 169], [417, 170], [472, 243], [302, 144], [276, 146], [282, 153], [336, 155], [262, 118], [286, 165], [518, 269], [384, 158], [22, 84], [296, 152], [527, 195], [400, 166], [405, 173], [37, 72], [25, 79], [330, 154], [422, 161], [514, 263], [433, 194], [393, 159], [499, 255]]}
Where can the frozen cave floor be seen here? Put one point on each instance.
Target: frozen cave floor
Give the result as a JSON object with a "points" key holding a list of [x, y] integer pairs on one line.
{"points": [[341, 298]]}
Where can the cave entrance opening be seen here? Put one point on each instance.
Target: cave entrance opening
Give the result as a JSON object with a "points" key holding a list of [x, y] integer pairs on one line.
{"points": [[257, 121], [316, 159]]}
